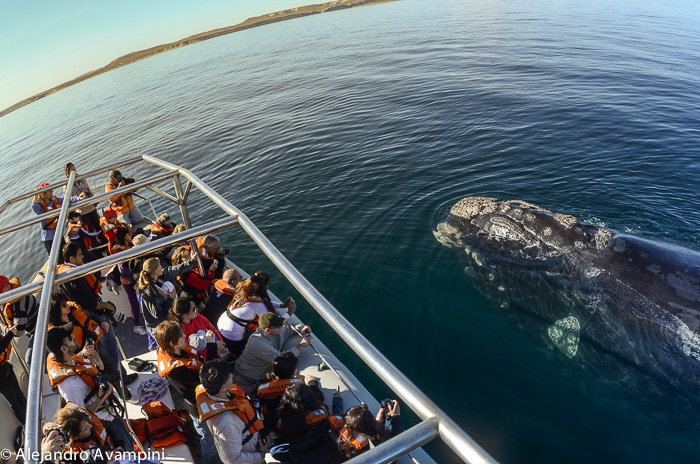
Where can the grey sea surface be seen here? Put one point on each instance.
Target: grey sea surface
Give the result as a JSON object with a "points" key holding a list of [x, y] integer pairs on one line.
{"points": [[347, 136]]}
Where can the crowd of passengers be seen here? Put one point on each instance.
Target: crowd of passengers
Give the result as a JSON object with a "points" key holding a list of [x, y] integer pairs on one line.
{"points": [[227, 351]]}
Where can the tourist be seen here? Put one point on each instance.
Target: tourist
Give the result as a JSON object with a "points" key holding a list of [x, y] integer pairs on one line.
{"points": [[222, 295], [86, 432], [271, 339], [230, 417], [81, 189], [22, 311], [179, 364], [184, 312], [191, 283], [9, 387], [157, 291], [43, 203], [163, 227], [250, 302], [283, 375], [210, 251], [362, 427], [123, 204]]}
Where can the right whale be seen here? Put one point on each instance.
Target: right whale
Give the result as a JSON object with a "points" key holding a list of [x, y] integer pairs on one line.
{"points": [[610, 301]]}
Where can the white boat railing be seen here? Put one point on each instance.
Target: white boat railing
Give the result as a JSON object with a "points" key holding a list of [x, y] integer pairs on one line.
{"points": [[435, 422]]}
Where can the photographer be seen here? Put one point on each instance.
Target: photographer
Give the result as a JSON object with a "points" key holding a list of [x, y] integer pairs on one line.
{"points": [[361, 428], [123, 204], [81, 189], [210, 251], [85, 431]]}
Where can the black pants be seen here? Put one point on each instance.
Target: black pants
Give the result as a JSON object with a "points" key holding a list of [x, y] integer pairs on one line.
{"points": [[9, 388]]}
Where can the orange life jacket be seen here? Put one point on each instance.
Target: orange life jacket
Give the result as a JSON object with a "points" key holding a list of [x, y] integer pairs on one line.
{"points": [[74, 234], [203, 251], [116, 248], [356, 440], [276, 388], [82, 324], [166, 362], [73, 230], [336, 421], [316, 416], [157, 229], [98, 435], [92, 281], [121, 204], [238, 403], [5, 355], [224, 287], [52, 222], [8, 310], [58, 372]]}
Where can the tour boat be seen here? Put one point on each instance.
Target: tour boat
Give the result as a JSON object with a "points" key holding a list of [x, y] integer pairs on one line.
{"points": [[42, 401]]}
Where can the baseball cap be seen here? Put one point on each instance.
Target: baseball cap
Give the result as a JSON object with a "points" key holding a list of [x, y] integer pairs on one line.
{"points": [[270, 319]]}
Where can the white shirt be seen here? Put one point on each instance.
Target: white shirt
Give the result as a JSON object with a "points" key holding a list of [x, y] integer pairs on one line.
{"points": [[233, 331], [74, 390]]}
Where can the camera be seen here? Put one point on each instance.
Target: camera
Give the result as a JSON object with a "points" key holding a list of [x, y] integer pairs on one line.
{"points": [[129, 180], [387, 403], [60, 433], [102, 380]]}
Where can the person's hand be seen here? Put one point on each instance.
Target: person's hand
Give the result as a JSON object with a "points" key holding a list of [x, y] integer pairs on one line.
{"points": [[105, 326], [122, 182], [262, 446], [394, 409], [210, 336], [102, 392], [214, 266], [309, 378], [381, 415], [13, 329], [306, 330], [292, 306], [305, 341], [337, 394], [220, 346], [82, 196], [51, 443], [47, 427], [87, 351]]}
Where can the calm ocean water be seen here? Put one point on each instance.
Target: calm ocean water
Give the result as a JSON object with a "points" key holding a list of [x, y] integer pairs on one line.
{"points": [[347, 136]]}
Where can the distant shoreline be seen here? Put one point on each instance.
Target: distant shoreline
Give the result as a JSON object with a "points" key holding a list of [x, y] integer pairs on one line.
{"points": [[256, 21]]}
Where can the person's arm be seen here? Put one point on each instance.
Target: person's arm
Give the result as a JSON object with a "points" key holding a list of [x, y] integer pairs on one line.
{"points": [[109, 188], [7, 338], [312, 382], [169, 273], [337, 406], [228, 430], [39, 210]]}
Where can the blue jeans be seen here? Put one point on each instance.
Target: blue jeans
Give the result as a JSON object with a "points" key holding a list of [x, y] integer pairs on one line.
{"points": [[109, 345]]}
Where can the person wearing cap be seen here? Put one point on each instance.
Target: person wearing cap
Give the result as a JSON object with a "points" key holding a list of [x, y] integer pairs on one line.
{"points": [[123, 204], [270, 339], [43, 203], [81, 189], [163, 227]]}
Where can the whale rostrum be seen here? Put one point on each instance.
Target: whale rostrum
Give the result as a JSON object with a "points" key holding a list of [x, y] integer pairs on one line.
{"points": [[604, 298]]}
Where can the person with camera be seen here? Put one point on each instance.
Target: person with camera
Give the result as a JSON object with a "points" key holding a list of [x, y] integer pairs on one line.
{"points": [[210, 251], [229, 416], [270, 339], [179, 364], [85, 292], [249, 303], [22, 311], [79, 381], [85, 434], [362, 430], [123, 204], [192, 284]]}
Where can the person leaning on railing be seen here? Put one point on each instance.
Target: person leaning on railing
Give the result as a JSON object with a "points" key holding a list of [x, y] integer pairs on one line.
{"points": [[43, 203]]}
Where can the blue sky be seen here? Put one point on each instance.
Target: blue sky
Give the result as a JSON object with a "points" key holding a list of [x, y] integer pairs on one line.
{"points": [[47, 42]]}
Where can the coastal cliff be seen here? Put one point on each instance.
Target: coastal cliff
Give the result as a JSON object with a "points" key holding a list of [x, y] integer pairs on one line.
{"points": [[256, 21]]}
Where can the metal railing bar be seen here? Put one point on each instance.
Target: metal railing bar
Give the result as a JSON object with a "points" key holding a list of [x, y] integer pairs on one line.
{"points": [[186, 221], [401, 444], [122, 256], [62, 183], [87, 201], [163, 194], [188, 187], [456, 438], [33, 435]]}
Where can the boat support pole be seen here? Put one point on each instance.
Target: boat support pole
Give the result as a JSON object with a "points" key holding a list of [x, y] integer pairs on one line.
{"points": [[123, 395], [32, 443]]}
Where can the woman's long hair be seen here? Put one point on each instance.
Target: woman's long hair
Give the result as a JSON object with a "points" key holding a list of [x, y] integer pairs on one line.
{"points": [[146, 276], [181, 306], [298, 400], [55, 317], [359, 419], [255, 285]]}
